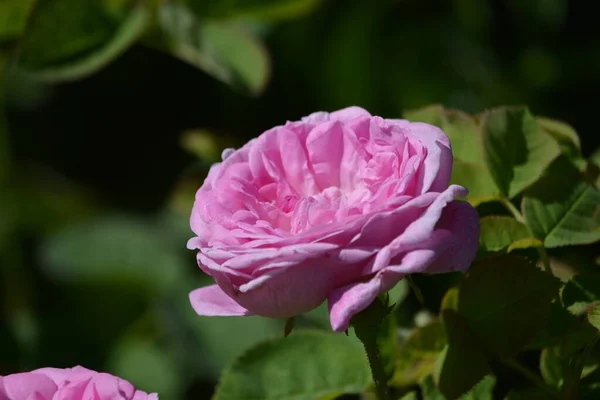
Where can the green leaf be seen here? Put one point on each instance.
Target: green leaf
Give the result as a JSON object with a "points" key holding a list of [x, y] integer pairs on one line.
{"points": [[462, 363], [13, 17], [551, 366], [563, 133], [477, 179], [399, 292], [531, 393], [500, 232], [561, 209], [506, 300], [223, 50], [4, 150], [268, 10], [593, 314], [517, 149], [580, 292], [410, 396], [595, 157], [484, 390], [113, 249], [429, 389], [469, 169], [304, 366], [418, 353], [70, 39], [147, 366], [450, 300]]}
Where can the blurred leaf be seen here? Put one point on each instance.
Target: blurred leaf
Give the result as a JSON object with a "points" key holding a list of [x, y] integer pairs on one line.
{"points": [[4, 145], [500, 232], [418, 353], [506, 300], [550, 366], [561, 209], [462, 363], [484, 390], [70, 39], [410, 396], [147, 367], [595, 157], [450, 300], [429, 390], [13, 17], [530, 393], [304, 366], [223, 50], [518, 150], [202, 143], [399, 292], [593, 314], [113, 249], [255, 9], [469, 169], [223, 339]]}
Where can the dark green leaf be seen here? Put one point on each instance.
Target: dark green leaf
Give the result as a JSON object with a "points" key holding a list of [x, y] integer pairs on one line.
{"points": [[418, 353], [224, 50], [506, 300], [70, 39], [517, 149], [580, 292], [500, 232], [532, 393], [462, 363], [561, 209], [551, 366], [304, 366]]}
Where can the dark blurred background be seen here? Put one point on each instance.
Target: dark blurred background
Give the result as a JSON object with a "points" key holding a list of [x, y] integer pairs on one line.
{"points": [[98, 173]]}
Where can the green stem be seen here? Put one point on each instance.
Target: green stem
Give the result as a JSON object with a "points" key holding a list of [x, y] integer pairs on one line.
{"points": [[366, 324], [377, 370], [531, 376], [519, 217]]}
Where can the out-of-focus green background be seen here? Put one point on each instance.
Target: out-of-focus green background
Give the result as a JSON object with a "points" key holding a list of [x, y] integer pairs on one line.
{"points": [[100, 157]]}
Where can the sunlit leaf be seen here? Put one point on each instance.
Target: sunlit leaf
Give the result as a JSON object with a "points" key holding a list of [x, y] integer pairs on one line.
{"points": [[580, 292], [593, 314], [462, 363], [506, 300], [450, 300], [484, 390], [304, 366], [518, 150], [500, 232], [562, 132], [418, 353], [561, 209]]}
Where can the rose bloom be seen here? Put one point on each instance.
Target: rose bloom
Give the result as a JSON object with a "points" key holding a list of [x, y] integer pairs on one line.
{"points": [[337, 206], [76, 383]]}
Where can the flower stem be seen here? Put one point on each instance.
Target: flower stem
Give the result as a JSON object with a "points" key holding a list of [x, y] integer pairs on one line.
{"points": [[366, 324], [377, 371]]}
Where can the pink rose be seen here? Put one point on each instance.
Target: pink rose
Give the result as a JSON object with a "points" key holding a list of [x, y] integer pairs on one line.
{"points": [[76, 383], [337, 206]]}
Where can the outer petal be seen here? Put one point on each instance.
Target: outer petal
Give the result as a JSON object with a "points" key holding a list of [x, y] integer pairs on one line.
{"points": [[27, 385], [451, 247], [213, 301]]}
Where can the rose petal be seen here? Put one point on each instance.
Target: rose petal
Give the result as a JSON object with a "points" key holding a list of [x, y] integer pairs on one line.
{"points": [[213, 301], [23, 386]]}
